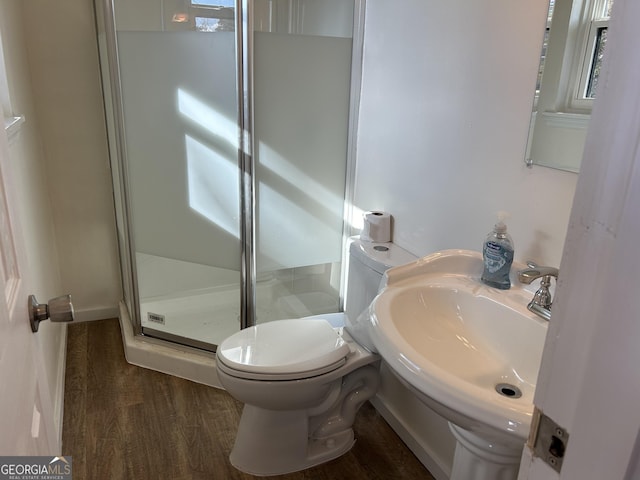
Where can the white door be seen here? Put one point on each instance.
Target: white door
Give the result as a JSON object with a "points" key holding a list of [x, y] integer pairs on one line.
{"points": [[26, 412], [589, 380]]}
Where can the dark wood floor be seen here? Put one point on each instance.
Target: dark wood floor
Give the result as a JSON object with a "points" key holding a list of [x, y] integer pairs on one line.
{"points": [[126, 422]]}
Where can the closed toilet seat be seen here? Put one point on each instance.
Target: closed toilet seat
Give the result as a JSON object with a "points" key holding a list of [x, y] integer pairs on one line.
{"points": [[283, 350]]}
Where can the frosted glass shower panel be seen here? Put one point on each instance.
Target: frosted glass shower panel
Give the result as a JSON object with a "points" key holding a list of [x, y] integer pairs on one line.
{"points": [[179, 101], [301, 122], [302, 75], [180, 112], [177, 65]]}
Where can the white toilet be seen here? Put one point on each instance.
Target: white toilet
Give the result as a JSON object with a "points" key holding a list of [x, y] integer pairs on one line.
{"points": [[302, 381]]}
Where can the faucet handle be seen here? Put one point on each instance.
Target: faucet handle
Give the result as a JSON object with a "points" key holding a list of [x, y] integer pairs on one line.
{"points": [[534, 271]]}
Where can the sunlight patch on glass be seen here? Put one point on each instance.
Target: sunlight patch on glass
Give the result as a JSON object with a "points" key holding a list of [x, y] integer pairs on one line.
{"points": [[208, 118], [279, 165], [281, 221], [293, 221], [213, 186]]}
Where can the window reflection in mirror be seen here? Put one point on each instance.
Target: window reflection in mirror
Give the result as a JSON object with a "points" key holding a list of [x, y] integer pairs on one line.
{"points": [[571, 59]]}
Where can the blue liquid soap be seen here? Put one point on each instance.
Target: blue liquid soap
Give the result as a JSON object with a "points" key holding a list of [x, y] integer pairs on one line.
{"points": [[497, 254]]}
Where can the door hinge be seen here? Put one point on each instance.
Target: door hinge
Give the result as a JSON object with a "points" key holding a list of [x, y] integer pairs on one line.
{"points": [[548, 440]]}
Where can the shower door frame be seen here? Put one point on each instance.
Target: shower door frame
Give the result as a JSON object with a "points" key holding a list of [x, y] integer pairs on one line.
{"points": [[114, 113], [244, 88]]}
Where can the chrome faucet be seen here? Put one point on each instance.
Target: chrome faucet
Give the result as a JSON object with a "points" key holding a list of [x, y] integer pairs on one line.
{"points": [[541, 303]]}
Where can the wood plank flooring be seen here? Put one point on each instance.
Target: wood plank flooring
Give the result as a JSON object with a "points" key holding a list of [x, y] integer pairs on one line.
{"points": [[127, 422]]}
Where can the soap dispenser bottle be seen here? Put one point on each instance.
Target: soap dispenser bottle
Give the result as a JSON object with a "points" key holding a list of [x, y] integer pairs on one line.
{"points": [[497, 254]]}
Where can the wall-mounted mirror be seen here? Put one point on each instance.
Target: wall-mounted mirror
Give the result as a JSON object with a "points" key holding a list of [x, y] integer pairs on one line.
{"points": [[574, 42]]}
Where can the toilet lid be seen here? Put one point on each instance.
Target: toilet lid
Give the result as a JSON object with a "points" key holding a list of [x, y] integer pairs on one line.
{"points": [[290, 348]]}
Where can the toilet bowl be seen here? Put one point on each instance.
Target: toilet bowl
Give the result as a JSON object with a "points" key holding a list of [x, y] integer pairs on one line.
{"points": [[298, 413], [303, 380]]}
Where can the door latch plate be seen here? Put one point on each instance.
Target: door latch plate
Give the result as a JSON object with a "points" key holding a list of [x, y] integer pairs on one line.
{"points": [[550, 442]]}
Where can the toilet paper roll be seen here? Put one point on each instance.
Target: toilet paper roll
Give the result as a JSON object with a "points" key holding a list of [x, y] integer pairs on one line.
{"points": [[377, 227]]}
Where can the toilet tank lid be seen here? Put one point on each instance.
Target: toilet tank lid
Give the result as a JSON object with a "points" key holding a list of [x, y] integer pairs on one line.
{"points": [[379, 256], [283, 347]]}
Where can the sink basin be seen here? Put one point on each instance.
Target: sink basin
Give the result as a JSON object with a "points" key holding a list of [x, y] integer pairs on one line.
{"points": [[469, 351]]}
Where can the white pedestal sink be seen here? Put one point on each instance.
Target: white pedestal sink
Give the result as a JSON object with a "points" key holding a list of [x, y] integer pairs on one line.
{"points": [[468, 351]]}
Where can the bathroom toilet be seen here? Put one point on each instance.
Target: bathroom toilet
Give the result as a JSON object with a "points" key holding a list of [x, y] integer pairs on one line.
{"points": [[303, 380]]}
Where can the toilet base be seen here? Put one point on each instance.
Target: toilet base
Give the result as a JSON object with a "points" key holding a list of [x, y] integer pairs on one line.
{"points": [[272, 442]]}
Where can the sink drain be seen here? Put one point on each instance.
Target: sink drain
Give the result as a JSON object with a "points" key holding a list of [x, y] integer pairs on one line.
{"points": [[508, 390]]}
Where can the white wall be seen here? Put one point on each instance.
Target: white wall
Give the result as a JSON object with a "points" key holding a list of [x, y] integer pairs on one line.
{"points": [[34, 203], [446, 103], [63, 59]]}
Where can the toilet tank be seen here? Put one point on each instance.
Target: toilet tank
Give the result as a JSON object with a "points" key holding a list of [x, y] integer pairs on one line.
{"points": [[366, 265]]}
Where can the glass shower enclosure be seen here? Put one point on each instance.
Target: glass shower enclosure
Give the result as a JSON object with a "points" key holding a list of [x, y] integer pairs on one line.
{"points": [[228, 129]]}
